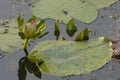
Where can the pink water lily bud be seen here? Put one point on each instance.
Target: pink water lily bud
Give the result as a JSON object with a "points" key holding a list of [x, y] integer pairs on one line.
{"points": [[30, 29]]}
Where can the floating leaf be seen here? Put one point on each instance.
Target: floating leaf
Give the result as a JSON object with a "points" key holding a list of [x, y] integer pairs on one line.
{"points": [[69, 57], [71, 27], [44, 67], [102, 3], [9, 39], [65, 9], [40, 62]]}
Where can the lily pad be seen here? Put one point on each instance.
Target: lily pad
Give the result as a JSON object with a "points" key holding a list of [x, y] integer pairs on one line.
{"points": [[65, 9], [64, 58], [102, 3], [9, 39]]}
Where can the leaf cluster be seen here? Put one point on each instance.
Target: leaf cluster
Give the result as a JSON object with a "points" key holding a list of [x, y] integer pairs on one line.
{"points": [[32, 29], [71, 29]]}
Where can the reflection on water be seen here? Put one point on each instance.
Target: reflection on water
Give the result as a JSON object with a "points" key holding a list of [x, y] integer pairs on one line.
{"points": [[16, 66], [26, 65]]}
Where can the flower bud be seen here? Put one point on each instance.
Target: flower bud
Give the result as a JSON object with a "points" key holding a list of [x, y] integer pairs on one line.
{"points": [[30, 29]]}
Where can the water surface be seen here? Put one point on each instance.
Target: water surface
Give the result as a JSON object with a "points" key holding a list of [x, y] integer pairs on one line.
{"points": [[105, 25]]}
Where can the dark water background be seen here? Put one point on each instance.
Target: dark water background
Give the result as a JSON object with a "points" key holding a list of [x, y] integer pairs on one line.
{"points": [[105, 25]]}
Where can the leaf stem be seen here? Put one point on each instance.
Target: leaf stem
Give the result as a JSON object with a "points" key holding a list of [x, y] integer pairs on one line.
{"points": [[26, 52], [25, 44]]}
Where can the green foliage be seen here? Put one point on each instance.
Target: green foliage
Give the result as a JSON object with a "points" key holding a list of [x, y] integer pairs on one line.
{"points": [[32, 29], [56, 29], [71, 27], [20, 23], [82, 35], [40, 23], [43, 67], [83, 10], [64, 58], [39, 61], [102, 3], [9, 39], [26, 65], [9, 32], [32, 19]]}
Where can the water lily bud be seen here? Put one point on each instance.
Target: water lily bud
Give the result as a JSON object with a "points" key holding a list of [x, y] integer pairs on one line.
{"points": [[71, 28], [56, 29], [82, 35], [30, 29]]}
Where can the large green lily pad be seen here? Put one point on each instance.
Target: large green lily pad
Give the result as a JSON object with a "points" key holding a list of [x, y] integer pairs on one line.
{"points": [[69, 57], [9, 39], [102, 3], [83, 10], [65, 9]]}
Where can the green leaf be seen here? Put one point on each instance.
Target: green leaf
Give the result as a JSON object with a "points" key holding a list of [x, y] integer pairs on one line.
{"points": [[86, 34], [22, 25], [63, 10], [32, 68], [44, 67], [41, 63], [19, 19], [39, 31], [71, 27], [42, 27], [43, 34], [82, 35], [20, 22], [33, 59], [64, 58], [40, 23], [9, 38], [56, 29], [21, 34], [102, 3], [32, 19]]}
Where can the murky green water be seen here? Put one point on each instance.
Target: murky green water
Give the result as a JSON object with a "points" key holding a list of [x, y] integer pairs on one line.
{"points": [[106, 24]]}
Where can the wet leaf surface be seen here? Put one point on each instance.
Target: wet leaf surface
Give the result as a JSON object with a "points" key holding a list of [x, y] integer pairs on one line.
{"points": [[102, 3], [62, 10], [9, 38], [83, 10], [105, 24], [69, 57]]}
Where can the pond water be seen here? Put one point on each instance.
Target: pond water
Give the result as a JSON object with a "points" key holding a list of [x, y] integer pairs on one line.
{"points": [[105, 25]]}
